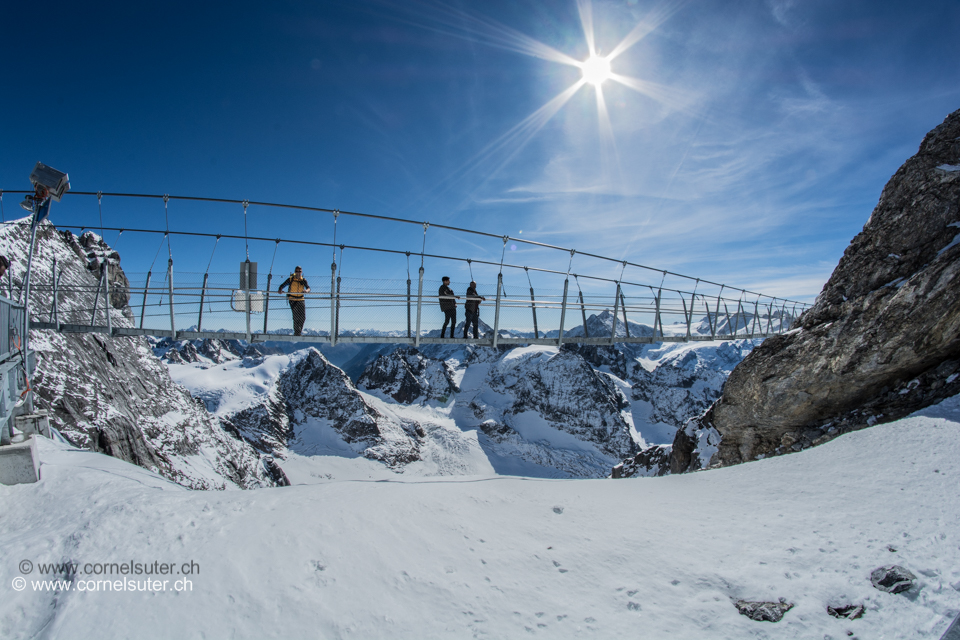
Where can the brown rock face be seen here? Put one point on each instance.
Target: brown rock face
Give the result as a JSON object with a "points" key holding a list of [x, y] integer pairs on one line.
{"points": [[883, 337]]}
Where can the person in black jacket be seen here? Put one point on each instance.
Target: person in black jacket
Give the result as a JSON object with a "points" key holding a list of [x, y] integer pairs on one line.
{"points": [[448, 304], [471, 310], [298, 286]]}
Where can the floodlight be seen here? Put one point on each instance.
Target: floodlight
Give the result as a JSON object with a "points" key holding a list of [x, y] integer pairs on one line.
{"points": [[27, 204], [48, 181]]}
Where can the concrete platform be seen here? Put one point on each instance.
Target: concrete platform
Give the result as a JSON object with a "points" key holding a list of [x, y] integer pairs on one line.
{"points": [[19, 462]]}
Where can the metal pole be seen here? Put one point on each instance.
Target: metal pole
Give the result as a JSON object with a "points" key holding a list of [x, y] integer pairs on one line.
{"points": [[756, 313], [496, 313], [416, 338], [563, 312], [96, 299], [616, 301], [333, 306], [143, 307], [657, 320], [409, 328], [726, 312], [686, 317], [769, 316], [337, 326], [246, 292], [266, 303], [53, 278], [626, 325], [533, 307], [583, 312], [38, 212], [203, 293], [106, 294], [173, 326]]}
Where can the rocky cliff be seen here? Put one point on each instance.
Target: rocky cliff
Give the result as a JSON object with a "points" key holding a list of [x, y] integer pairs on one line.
{"points": [[111, 394], [881, 341]]}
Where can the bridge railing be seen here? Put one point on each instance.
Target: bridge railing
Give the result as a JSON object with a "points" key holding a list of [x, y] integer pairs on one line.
{"points": [[356, 309]]}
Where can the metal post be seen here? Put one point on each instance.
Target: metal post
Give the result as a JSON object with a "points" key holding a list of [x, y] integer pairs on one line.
{"points": [[616, 301], [657, 320], [53, 279], [416, 337], [143, 307], [626, 325], [769, 316], [40, 212], [714, 320], [756, 313], [726, 312], [783, 312], [333, 305], [203, 293], [96, 298], [409, 329], [106, 294], [496, 314], [687, 317], [533, 307], [583, 312], [246, 293], [173, 326], [337, 325], [266, 302], [563, 312]]}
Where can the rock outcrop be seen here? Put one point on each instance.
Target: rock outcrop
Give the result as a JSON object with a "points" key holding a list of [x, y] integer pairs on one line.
{"points": [[881, 341], [309, 396], [406, 376], [111, 394]]}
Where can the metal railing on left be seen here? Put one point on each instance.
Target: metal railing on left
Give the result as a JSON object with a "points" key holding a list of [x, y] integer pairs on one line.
{"points": [[14, 364]]}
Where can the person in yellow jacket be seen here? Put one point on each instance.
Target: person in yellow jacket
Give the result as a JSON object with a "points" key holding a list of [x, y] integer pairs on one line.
{"points": [[297, 286]]}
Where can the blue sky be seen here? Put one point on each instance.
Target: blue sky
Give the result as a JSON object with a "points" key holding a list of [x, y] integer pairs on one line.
{"points": [[755, 150]]}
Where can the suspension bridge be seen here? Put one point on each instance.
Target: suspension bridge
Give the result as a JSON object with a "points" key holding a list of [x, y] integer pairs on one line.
{"points": [[640, 305]]}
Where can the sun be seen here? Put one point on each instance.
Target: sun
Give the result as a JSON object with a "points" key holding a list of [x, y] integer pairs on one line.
{"points": [[596, 70]]}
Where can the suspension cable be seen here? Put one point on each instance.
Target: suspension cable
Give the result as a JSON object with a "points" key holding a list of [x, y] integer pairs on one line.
{"points": [[371, 216], [100, 209], [158, 252], [275, 247], [336, 214], [216, 242], [426, 225], [470, 265], [570, 265], [246, 241], [166, 216]]}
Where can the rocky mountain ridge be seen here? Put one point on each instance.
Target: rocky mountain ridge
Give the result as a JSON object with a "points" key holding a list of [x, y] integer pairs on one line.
{"points": [[111, 394], [881, 341]]}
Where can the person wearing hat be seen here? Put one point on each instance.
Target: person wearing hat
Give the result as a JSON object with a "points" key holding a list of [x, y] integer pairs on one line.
{"points": [[297, 287], [472, 311]]}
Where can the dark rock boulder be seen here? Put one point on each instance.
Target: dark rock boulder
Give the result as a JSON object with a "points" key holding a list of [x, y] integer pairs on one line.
{"points": [[763, 611], [893, 579], [882, 339]]}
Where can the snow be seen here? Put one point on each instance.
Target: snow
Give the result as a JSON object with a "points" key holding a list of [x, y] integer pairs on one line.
{"points": [[363, 555]]}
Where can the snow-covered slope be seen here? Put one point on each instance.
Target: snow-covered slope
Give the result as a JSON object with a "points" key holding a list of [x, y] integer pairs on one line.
{"points": [[500, 557]]}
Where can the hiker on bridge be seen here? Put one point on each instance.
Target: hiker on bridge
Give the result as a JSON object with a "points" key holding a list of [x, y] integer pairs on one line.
{"points": [[471, 310], [297, 287], [448, 304]]}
